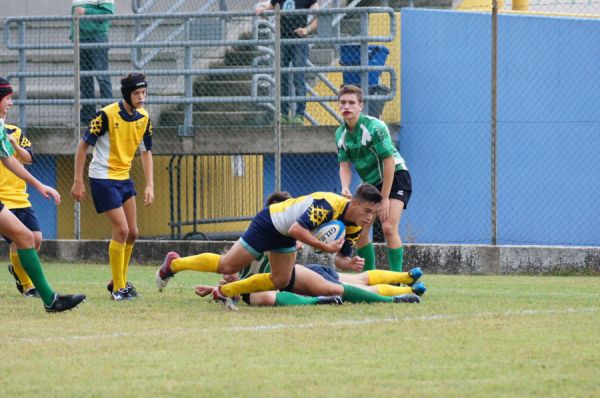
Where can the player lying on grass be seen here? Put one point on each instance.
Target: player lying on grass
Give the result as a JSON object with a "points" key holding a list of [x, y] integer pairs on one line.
{"points": [[275, 230], [320, 284], [11, 227]]}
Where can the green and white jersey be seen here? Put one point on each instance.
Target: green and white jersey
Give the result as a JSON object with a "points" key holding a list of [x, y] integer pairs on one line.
{"points": [[366, 147], [6, 150], [260, 265]]}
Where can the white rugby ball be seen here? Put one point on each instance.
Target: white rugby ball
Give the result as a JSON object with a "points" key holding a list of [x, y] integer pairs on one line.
{"points": [[329, 232]]}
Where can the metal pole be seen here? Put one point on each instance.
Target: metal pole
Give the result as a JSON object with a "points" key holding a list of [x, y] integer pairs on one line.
{"points": [[77, 131], [494, 68], [277, 71], [188, 88], [22, 80]]}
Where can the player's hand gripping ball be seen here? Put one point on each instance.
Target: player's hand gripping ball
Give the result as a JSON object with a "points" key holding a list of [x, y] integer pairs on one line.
{"points": [[329, 232]]}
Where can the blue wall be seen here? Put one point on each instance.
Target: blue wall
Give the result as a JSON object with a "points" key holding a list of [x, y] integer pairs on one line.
{"points": [[548, 128]]}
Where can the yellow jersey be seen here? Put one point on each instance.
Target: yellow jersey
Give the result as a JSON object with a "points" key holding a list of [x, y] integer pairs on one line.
{"points": [[116, 135], [13, 190]]}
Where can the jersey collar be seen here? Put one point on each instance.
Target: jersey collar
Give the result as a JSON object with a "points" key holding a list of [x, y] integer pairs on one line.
{"points": [[126, 116]]}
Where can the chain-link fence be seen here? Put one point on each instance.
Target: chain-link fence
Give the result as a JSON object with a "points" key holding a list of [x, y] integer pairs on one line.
{"points": [[519, 172], [212, 100]]}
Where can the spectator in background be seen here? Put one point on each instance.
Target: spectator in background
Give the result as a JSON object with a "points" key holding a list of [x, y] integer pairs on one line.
{"points": [[93, 59], [295, 55]]}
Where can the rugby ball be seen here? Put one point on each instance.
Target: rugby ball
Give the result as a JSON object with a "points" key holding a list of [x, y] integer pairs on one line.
{"points": [[329, 232]]}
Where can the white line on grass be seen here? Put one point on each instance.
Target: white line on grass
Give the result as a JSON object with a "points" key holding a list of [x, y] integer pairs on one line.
{"points": [[351, 322]]}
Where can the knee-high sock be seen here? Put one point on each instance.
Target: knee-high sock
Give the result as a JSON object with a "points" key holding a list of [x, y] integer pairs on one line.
{"points": [[389, 290], [353, 294], [205, 262], [255, 283], [379, 276], [368, 253], [20, 272], [127, 258], [286, 299], [395, 258], [31, 264], [116, 257]]}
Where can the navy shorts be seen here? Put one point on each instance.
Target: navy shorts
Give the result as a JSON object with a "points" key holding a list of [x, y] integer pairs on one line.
{"points": [[110, 194], [328, 273], [27, 217], [401, 187], [262, 236]]}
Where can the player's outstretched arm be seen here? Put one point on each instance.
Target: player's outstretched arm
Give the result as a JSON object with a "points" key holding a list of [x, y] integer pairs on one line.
{"points": [[19, 170], [346, 179]]}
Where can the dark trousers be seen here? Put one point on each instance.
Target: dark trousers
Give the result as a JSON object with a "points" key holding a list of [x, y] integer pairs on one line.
{"points": [[93, 59], [293, 55]]}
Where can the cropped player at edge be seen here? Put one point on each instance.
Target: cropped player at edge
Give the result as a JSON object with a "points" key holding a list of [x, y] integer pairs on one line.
{"points": [[275, 230], [116, 132]]}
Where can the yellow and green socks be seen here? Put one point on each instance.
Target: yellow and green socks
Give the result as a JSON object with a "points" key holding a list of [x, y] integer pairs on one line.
{"points": [[283, 299], [20, 272], [368, 253], [379, 276], [353, 294], [389, 290], [116, 258], [126, 259], [395, 257], [33, 267], [255, 283], [205, 262]]}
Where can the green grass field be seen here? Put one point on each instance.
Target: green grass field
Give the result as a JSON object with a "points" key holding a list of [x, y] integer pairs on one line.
{"points": [[477, 336]]}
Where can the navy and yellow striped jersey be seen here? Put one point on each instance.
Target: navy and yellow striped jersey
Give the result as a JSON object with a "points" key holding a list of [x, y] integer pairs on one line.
{"points": [[310, 211], [13, 190], [115, 136]]}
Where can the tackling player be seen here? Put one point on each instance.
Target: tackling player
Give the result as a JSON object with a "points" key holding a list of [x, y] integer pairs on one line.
{"points": [[116, 132], [275, 230]]}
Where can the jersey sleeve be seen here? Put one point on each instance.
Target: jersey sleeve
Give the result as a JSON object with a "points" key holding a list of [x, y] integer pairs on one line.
{"points": [[98, 127], [146, 144], [6, 149], [382, 141], [26, 144], [320, 211]]}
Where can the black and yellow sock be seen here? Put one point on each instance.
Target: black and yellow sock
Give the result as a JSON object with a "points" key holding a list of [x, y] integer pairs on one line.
{"points": [[389, 290], [126, 259], [379, 276], [368, 253], [353, 294], [20, 272], [283, 299], [116, 257], [205, 262], [33, 267], [395, 257], [255, 283]]}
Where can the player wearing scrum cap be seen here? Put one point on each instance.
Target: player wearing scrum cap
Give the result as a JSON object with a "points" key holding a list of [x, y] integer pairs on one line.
{"points": [[116, 132]]}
